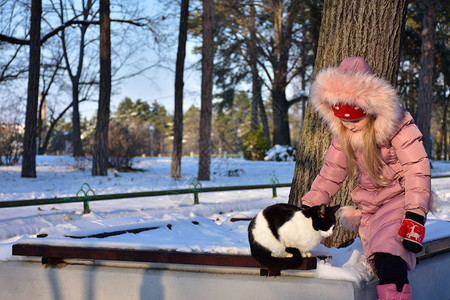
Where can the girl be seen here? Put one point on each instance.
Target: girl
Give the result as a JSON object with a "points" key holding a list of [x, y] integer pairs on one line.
{"points": [[375, 140]]}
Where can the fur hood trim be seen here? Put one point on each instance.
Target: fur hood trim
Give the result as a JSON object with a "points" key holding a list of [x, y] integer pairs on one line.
{"points": [[364, 89]]}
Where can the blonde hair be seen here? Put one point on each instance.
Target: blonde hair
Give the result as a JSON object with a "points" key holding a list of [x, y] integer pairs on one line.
{"points": [[372, 156]]}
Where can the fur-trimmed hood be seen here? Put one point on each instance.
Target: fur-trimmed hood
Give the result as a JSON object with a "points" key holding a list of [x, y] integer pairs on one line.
{"points": [[354, 83]]}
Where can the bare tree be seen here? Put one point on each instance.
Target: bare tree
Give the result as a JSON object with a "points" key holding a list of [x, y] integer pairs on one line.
{"points": [[100, 157], [29, 145], [207, 86], [75, 73], [83, 73], [344, 32], [177, 151], [426, 72]]}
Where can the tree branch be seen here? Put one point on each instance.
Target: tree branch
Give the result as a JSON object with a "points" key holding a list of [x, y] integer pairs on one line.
{"points": [[141, 22], [297, 99]]}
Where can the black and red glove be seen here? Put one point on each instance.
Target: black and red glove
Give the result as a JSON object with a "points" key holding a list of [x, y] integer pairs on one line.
{"points": [[413, 231]]}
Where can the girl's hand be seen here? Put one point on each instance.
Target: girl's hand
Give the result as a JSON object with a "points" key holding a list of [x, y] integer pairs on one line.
{"points": [[413, 231]]}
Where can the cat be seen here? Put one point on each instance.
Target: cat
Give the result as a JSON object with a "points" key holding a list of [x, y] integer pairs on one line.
{"points": [[281, 234]]}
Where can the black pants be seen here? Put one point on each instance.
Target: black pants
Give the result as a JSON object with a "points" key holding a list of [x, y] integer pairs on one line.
{"points": [[390, 269]]}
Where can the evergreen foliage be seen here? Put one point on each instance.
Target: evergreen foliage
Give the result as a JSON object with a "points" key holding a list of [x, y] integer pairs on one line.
{"points": [[255, 145]]}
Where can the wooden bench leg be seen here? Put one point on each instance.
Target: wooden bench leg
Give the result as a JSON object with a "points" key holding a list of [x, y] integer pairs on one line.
{"points": [[269, 272]]}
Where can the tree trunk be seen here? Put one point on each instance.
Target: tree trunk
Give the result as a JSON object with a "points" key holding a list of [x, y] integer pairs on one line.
{"points": [[282, 43], [41, 122], [256, 86], [77, 146], [207, 86], [253, 53], [177, 151], [100, 157], [263, 116], [280, 108], [426, 72], [257, 101], [76, 129], [29, 144], [445, 130], [410, 99], [347, 30], [443, 150], [255, 95]]}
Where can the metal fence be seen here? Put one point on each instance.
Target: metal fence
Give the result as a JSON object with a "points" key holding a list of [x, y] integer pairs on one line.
{"points": [[86, 195]]}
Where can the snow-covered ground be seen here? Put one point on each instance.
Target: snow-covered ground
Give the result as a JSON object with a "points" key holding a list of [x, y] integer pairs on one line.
{"points": [[182, 226]]}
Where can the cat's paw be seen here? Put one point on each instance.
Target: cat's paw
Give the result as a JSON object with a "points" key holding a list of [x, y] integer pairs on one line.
{"points": [[282, 255], [306, 254]]}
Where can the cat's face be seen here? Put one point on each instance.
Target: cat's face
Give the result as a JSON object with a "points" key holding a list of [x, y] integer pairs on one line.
{"points": [[323, 218]]}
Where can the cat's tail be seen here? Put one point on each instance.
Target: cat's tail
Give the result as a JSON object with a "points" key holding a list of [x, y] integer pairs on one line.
{"points": [[350, 217], [266, 259]]}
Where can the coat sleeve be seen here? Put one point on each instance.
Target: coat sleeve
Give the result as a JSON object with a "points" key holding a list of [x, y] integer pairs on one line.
{"points": [[330, 178], [412, 156]]}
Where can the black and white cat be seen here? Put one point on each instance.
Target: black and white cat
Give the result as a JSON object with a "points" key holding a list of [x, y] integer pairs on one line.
{"points": [[281, 234]]}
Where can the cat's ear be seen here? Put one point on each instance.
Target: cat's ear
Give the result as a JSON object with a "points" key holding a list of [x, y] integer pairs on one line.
{"points": [[335, 208], [322, 211]]}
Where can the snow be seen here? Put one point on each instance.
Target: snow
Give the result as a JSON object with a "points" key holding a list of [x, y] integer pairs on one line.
{"points": [[280, 153], [179, 225]]}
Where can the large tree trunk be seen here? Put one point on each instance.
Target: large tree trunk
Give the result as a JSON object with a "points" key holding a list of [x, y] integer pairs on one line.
{"points": [[426, 72], [207, 86], [29, 144], [177, 151], [347, 30], [100, 157]]}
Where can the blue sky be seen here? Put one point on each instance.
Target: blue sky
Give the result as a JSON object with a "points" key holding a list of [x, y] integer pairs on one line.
{"points": [[156, 84]]}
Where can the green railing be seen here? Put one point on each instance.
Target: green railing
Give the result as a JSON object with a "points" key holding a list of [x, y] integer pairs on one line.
{"points": [[86, 195]]}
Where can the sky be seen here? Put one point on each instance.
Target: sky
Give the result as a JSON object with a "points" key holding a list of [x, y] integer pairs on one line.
{"points": [[212, 231], [159, 85], [156, 84]]}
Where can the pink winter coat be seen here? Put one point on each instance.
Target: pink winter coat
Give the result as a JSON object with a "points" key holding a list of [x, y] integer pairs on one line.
{"points": [[406, 164]]}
